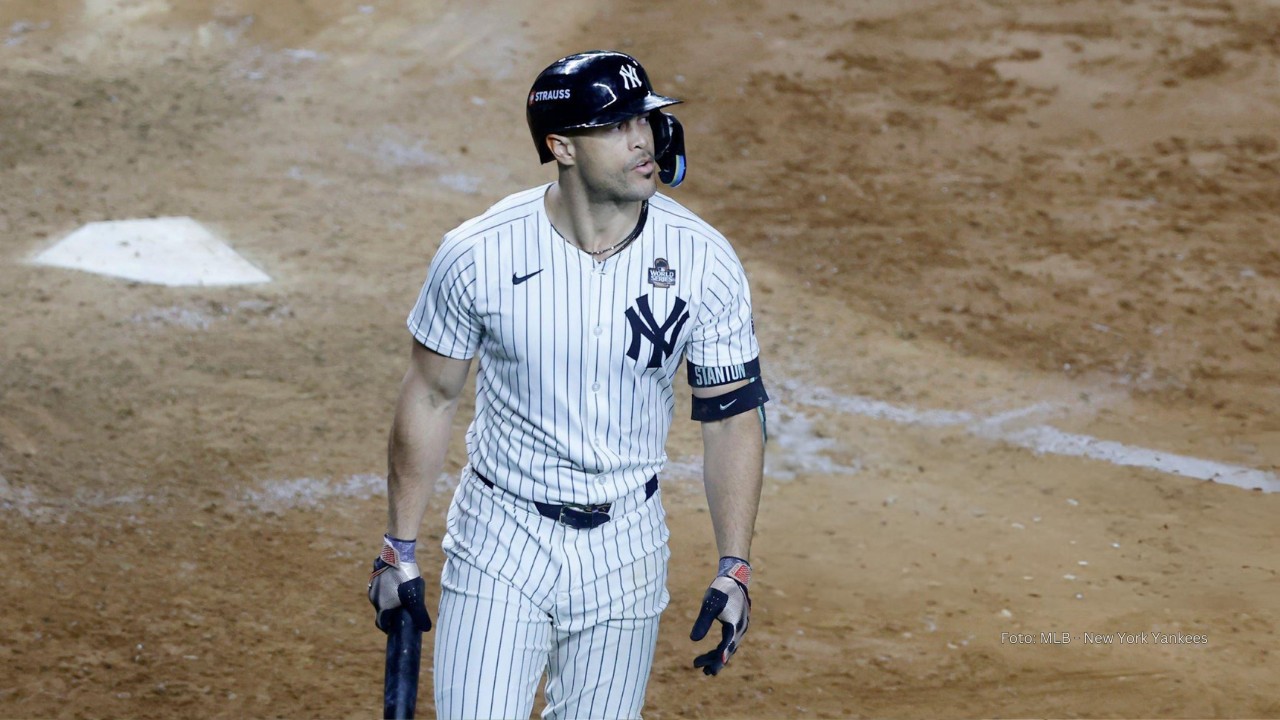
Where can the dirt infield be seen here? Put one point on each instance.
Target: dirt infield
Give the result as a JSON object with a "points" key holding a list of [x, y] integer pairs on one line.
{"points": [[1009, 260]]}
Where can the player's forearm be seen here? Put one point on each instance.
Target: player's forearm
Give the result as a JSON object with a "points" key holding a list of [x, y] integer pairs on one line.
{"points": [[415, 457], [733, 470]]}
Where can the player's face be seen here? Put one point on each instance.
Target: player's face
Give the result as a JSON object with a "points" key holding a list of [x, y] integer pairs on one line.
{"points": [[616, 161]]}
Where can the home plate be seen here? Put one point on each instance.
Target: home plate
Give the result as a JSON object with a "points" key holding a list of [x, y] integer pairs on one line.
{"points": [[172, 251]]}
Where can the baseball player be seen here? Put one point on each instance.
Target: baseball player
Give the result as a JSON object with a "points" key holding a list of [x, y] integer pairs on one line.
{"points": [[580, 298]]}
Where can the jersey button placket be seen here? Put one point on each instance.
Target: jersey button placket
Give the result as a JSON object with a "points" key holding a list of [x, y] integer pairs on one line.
{"points": [[598, 280]]}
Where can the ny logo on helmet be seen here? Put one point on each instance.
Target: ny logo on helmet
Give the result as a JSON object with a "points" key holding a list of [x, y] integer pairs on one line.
{"points": [[630, 77]]}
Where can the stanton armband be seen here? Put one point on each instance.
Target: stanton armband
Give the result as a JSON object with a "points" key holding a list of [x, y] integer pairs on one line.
{"points": [[701, 376], [747, 397]]}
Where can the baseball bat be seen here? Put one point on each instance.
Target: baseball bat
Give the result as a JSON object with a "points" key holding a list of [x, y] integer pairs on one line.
{"points": [[404, 656]]}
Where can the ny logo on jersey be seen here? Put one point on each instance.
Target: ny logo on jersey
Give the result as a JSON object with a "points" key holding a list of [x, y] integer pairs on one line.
{"points": [[643, 324], [630, 77]]}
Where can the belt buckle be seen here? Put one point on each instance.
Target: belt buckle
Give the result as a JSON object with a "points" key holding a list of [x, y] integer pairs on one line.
{"points": [[595, 516]]}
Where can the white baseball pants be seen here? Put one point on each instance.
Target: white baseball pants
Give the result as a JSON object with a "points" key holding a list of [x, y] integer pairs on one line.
{"points": [[523, 595]]}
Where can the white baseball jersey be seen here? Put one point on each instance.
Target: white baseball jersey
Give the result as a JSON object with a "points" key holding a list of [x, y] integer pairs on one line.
{"points": [[574, 388]]}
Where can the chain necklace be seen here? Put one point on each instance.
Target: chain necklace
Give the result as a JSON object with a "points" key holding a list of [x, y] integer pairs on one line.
{"points": [[644, 214]]}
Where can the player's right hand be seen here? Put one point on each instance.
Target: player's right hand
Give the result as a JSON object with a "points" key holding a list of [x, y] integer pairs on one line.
{"points": [[396, 583]]}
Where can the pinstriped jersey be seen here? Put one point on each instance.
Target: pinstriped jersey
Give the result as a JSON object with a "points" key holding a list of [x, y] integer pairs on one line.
{"points": [[576, 356]]}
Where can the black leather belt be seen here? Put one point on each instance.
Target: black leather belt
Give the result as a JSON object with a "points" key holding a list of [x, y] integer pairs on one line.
{"points": [[579, 517]]}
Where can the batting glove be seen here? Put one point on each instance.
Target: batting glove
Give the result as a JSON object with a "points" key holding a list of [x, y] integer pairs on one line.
{"points": [[727, 601], [396, 583]]}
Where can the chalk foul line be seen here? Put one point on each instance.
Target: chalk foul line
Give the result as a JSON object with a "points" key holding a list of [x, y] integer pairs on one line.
{"points": [[1040, 439]]}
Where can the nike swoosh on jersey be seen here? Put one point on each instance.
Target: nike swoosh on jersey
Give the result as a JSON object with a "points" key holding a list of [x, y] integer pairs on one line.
{"points": [[726, 405], [517, 279]]}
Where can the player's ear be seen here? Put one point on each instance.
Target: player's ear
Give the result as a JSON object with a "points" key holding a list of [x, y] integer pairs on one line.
{"points": [[561, 147]]}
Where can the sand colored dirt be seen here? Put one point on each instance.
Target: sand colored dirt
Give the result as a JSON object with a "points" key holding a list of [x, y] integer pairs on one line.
{"points": [[1062, 211]]}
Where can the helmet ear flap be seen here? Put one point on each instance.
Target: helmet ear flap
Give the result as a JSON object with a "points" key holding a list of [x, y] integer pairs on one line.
{"points": [[668, 141]]}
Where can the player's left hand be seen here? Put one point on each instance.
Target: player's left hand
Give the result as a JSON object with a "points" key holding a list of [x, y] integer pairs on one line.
{"points": [[396, 583], [727, 601]]}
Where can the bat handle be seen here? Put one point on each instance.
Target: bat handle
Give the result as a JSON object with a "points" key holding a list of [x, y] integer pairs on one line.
{"points": [[404, 655]]}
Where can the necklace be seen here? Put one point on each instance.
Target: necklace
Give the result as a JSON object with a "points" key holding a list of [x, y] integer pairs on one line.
{"points": [[644, 214]]}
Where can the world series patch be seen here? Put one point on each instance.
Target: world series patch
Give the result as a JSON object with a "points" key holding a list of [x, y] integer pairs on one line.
{"points": [[661, 274]]}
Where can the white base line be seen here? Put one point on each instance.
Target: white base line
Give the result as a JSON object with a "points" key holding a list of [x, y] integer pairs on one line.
{"points": [[1041, 439]]}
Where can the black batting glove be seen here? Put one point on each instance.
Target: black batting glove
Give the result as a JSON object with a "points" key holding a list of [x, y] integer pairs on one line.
{"points": [[395, 583], [727, 601]]}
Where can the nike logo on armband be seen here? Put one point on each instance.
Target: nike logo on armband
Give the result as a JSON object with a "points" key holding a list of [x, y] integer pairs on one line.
{"points": [[517, 279], [726, 405]]}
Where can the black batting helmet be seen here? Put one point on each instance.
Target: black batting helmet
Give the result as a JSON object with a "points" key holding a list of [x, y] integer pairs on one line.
{"points": [[599, 88]]}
